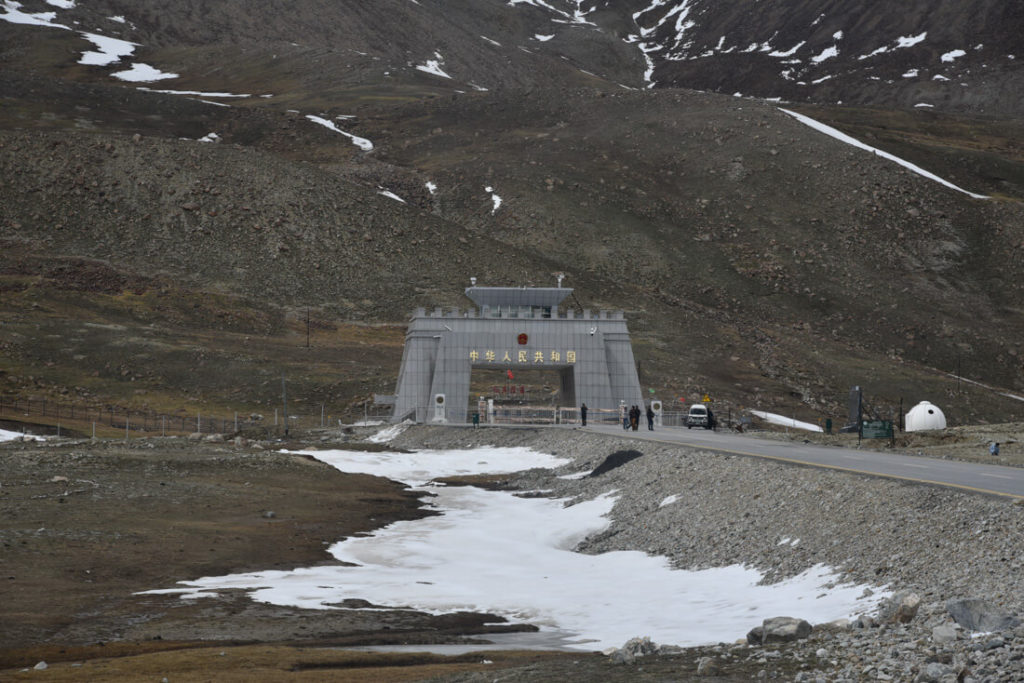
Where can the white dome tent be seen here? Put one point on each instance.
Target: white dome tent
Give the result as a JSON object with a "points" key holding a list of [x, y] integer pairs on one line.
{"points": [[925, 416]]}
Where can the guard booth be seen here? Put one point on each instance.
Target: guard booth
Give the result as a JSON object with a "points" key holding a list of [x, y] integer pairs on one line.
{"points": [[513, 332]]}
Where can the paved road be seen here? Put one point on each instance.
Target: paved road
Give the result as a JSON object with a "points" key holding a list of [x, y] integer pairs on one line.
{"points": [[977, 477]]}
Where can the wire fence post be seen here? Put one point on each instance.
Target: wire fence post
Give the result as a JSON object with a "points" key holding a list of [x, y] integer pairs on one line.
{"points": [[284, 398]]}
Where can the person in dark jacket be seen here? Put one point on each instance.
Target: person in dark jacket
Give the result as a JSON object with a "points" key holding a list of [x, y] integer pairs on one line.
{"points": [[583, 414], [650, 418]]}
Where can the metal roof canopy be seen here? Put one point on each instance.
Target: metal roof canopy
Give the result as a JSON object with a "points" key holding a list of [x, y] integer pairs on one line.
{"points": [[505, 297]]}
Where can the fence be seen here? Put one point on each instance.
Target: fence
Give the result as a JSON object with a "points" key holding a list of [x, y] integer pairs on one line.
{"points": [[57, 415], [540, 415], [76, 417]]}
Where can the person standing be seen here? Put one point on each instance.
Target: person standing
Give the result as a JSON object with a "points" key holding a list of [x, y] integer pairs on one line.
{"points": [[650, 418], [583, 414], [634, 418], [994, 448]]}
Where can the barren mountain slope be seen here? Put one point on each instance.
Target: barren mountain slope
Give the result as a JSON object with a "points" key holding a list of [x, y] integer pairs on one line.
{"points": [[756, 258]]}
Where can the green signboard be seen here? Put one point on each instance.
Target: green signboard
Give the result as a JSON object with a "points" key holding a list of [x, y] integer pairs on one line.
{"points": [[876, 429]]}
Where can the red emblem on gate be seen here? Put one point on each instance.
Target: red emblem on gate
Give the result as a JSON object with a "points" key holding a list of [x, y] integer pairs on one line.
{"points": [[523, 339]]}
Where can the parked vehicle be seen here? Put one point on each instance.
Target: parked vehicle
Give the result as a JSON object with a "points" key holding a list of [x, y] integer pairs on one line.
{"points": [[700, 416]]}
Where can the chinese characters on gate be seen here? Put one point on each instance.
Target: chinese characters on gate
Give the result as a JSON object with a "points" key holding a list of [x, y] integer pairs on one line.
{"points": [[523, 357]]}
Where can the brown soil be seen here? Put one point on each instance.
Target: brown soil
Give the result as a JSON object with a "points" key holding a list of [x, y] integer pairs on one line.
{"points": [[89, 524]]}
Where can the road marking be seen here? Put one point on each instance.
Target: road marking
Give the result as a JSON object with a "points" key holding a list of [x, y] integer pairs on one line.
{"points": [[914, 464], [997, 476]]}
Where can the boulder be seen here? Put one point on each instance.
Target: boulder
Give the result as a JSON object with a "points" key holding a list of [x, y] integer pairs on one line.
{"points": [[835, 626], [976, 614], [779, 630], [863, 621], [634, 647], [944, 634], [901, 607], [935, 672], [707, 666]]}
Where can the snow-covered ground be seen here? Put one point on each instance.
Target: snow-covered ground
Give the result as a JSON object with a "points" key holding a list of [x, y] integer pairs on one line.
{"points": [[774, 419], [498, 553], [8, 436]]}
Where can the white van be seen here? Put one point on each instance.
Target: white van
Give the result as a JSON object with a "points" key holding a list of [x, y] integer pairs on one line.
{"points": [[700, 416]]}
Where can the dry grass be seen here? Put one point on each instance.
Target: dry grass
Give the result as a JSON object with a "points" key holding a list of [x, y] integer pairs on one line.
{"points": [[205, 662]]}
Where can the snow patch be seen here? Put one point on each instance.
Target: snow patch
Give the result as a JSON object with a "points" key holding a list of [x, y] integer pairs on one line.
{"points": [[361, 143], [774, 419], [495, 199], [788, 53], [910, 41], [827, 53], [433, 66], [952, 55], [843, 137], [13, 14], [109, 50], [6, 435], [388, 433], [494, 552], [142, 73], [190, 92], [390, 195]]}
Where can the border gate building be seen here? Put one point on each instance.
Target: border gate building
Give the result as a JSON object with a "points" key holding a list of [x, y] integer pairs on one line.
{"points": [[514, 329]]}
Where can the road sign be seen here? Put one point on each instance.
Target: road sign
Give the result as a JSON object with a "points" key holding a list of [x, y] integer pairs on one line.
{"points": [[706, 399], [876, 429]]}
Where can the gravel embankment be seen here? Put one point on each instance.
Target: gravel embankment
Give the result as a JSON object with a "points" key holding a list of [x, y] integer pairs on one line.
{"points": [[939, 544]]}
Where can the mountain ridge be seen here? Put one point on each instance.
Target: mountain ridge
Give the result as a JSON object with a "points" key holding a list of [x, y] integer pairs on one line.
{"points": [[756, 258]]}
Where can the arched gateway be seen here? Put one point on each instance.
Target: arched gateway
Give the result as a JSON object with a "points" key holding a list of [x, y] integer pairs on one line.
{"points": [[514, 330]]}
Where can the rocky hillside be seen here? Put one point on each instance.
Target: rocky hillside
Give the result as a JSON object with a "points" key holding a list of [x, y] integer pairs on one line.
{"points": [[956, 56], [330, 166]]}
